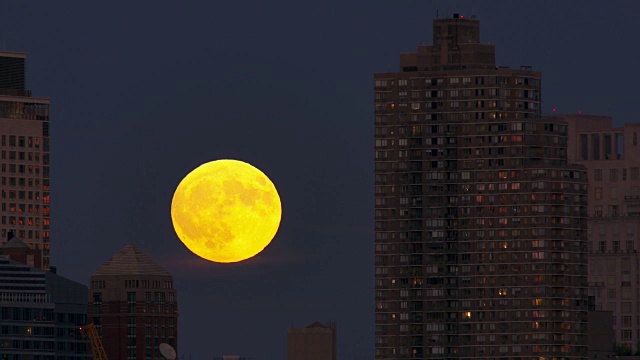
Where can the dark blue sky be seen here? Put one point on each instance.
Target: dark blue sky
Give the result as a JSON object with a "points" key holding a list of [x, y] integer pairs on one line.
{"points": [[142, 93]]}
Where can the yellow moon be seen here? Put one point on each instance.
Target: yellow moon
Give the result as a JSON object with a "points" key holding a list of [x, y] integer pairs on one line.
{"points": [[226, 211]]}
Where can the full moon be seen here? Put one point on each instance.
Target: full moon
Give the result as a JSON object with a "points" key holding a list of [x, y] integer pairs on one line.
{"points": [[226, 211]]}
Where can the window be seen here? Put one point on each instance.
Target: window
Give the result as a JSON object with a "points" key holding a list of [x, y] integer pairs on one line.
{"points": [[597, 174], [635, 173], [615, 229], [584, 147], [598, 194], [381, 142], [598, 211], [613, 175], [602, 246], [595, 146]]}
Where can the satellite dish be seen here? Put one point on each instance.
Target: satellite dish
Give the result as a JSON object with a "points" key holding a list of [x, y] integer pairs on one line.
{"points": [[167, 351]]}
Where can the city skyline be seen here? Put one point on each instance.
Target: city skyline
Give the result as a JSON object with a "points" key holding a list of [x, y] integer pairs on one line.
{"points": [[132, 115]]}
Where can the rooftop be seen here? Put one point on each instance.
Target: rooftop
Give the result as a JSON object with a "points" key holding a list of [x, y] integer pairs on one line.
{"points": [[131, 260], [15, 243]]}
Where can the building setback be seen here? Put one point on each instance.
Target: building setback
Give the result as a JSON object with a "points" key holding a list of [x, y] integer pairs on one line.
{"points": [[24, 162], [40, 314], [610, 155], [134, 306], [480, 223]]}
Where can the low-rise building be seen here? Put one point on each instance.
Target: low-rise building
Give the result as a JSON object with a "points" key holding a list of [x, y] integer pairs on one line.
{"points": [[314, 342], [40, 314]]}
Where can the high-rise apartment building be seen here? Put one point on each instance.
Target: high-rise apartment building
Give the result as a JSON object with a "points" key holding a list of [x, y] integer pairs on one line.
{"points": [[24, 162], [612, 158], [134, 306], [480, 224]]}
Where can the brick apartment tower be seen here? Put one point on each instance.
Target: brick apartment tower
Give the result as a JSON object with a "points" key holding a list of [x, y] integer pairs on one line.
{"points": [[480, 224], [133, 304], [24, 162], [612, 158]]}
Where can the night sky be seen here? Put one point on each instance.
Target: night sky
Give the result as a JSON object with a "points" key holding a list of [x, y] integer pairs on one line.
{"points": [[144, 93]]}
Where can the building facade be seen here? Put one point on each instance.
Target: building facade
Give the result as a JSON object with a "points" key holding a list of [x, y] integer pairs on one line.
{"points": [[134, 306], [480, 223], [314, 342], [24, 162], [40, 314], [611, 156]]}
